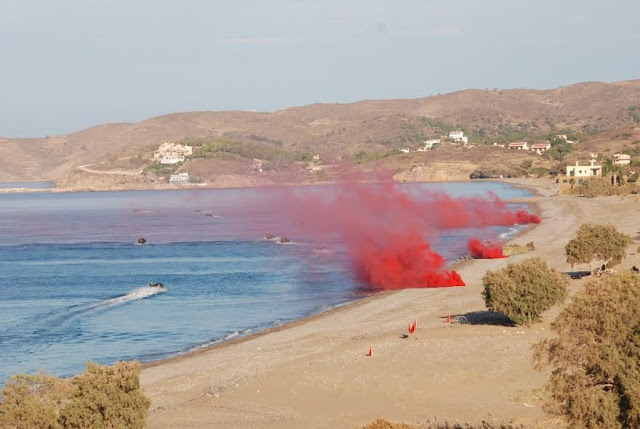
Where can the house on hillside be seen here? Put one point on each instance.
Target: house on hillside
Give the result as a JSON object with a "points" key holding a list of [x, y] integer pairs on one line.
{"points": [[584, 170], [172, 153], [519, 145], [578, 173], [540, 148], [429, 144], [404, 150], [458, 137], [171, 159], [621, 159], [179, 179]]}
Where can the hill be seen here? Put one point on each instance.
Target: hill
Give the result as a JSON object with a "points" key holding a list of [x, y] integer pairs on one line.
{"points": [[363, 132]]}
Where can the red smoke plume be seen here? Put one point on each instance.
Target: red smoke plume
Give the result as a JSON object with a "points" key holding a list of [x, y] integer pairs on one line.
{"points": [[385, 228], [480, 250]]}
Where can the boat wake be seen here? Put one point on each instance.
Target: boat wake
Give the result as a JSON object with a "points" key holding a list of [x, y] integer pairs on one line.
{"points": [[134, 295], [63, 323]]}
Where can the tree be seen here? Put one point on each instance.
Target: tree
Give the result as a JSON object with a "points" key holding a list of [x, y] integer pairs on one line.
{"points": [[595, 380], [102, 397], [33, 401], [597, 243], [523, 291], [107, 397]]}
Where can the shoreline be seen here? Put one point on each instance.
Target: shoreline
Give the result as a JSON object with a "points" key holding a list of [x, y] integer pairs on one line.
{"points": [[166, 187], [263, 359], [458, 264]]}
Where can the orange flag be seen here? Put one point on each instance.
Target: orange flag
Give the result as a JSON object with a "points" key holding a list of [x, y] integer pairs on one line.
{"points": [[412, 328], [369, 354]]}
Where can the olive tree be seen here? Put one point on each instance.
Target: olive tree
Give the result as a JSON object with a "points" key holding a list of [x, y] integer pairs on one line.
{"points": [[597, 243], [102, 397], [595, 379], [523, 291]]}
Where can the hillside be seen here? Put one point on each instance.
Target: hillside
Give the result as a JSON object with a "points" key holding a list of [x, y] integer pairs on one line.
{"points": [[360, 131]]}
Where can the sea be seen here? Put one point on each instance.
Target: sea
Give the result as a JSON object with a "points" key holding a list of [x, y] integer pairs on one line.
{"points": [[74, 283]]}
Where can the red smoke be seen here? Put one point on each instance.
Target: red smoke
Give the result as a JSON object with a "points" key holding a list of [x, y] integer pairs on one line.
{"points": [[387, 228], [395, 261], [480, 250]]}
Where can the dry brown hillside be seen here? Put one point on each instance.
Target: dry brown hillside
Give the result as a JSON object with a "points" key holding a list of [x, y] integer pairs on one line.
{"points": [[341, 129]]}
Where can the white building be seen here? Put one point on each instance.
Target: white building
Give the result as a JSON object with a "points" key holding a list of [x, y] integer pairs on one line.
{"points": [[171, 159], [172, 150], [519, 145], [540, 148], [621, 159], [458, 137], [429, 144], [584, 170], [404, 150], [179, 179]]}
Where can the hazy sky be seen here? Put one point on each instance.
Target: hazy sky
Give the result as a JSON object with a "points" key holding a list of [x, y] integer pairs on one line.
{"points": [[70, 64]]}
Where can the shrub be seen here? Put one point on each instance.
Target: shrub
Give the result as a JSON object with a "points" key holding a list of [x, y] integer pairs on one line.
{"points": [[101, 397], [523, 291], [597, 243], [33, 401], [633, 178], [595, 187], [595, 381]]}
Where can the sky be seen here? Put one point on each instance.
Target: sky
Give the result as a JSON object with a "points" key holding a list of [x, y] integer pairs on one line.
{"points": [[66, 65]]}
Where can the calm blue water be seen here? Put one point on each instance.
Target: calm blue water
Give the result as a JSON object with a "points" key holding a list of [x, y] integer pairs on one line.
{"points": [[73, 283], [29, 185]]}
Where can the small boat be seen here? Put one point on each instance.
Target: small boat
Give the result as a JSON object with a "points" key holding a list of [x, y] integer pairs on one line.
{"points": [[156, 284]]}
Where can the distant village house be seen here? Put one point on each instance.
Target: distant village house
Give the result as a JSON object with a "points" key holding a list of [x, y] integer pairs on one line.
{"points": [[172, 153], [429, 145], [171, 159], [519, 145], [540, 148], [458, 137], [584, 170], [621, 159], [179, 179]]}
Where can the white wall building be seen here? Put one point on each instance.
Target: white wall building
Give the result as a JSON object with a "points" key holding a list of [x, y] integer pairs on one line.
{"points": [[584, 170], [172, 150], [621, 159], [429, 144], [540, 148], [519, 145], [458, 137], [171, 159], [179, 178]]}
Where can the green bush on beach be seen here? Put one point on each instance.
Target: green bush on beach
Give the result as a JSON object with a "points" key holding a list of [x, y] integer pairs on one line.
{"points": [[102, 397], [595, 379], [601, 243], [523, 291]]}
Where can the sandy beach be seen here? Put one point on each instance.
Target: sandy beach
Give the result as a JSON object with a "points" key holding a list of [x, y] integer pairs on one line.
{"points": [[315, 373]]}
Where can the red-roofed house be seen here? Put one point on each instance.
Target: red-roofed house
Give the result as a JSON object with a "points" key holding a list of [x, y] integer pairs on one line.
{"points": [[540, 148], [519, 145]]}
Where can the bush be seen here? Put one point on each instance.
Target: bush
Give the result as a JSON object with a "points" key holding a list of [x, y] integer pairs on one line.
{"points": [[101, 397], [597, 243], [33, 401], [633, 178], [523, 291], [595, 381]]}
